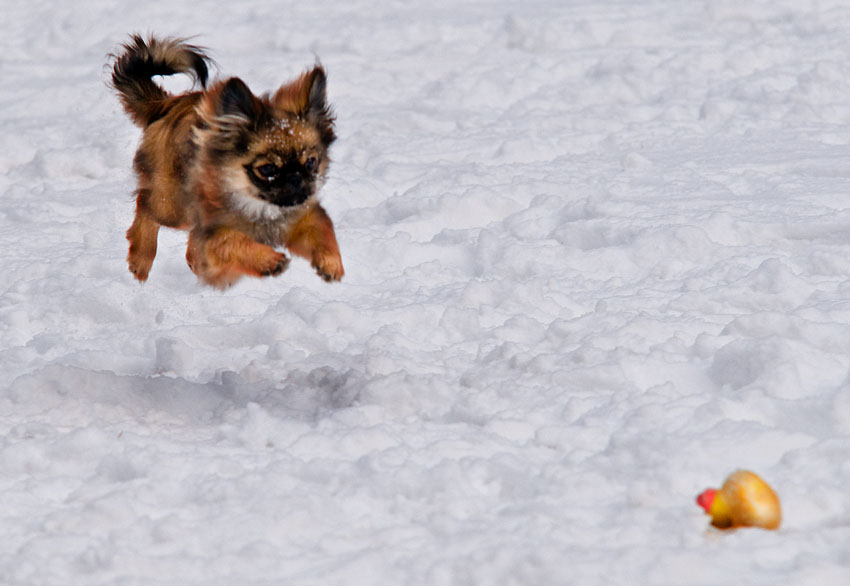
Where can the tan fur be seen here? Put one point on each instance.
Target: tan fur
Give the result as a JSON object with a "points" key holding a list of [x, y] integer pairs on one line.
{"points": [[313, 237], [239, 172]]}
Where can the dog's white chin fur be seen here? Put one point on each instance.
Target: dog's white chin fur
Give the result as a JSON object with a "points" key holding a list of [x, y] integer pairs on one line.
{"points": [[254, 208], [244, 199]]}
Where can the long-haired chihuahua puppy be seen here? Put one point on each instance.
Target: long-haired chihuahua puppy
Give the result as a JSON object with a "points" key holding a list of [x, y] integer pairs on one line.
{"points": [[240, 172]]}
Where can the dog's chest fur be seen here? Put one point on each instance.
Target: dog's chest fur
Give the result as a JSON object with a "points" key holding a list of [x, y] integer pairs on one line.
{"points": [[266, 222]]}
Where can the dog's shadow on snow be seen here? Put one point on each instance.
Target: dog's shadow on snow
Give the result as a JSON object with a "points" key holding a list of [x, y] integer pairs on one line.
{"points": [[75, 391]]}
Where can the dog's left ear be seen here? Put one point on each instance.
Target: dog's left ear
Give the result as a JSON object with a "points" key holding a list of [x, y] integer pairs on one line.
{"points": [[307, 98], [316, 109], [316, 102]]}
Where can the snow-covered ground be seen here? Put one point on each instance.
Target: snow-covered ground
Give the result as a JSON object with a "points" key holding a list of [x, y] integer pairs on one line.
{"points": [[597, 255]]}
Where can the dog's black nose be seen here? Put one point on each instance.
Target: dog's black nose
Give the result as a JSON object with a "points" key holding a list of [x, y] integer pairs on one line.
{"points": [[294, 180]]}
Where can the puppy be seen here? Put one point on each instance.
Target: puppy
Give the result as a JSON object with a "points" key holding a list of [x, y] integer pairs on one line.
{"points": [[239, 172]]}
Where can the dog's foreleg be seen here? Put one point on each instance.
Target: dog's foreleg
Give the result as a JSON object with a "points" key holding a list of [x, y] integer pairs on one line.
{"points": [[219, 258], [313, 238]]}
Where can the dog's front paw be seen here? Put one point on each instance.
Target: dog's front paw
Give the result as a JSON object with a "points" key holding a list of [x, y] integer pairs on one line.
{"points": [[328, 265], [279, 264]]}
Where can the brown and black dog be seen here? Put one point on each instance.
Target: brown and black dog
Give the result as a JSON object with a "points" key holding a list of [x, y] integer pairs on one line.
{"points": [[239, 172]]}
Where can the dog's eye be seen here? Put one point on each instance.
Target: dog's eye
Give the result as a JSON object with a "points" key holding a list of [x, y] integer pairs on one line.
{"points": [[311, 164], [267, 171]]}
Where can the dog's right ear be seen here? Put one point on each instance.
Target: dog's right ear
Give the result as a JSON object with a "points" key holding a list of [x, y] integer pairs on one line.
{"points": [[230, 105], [237, 100]]}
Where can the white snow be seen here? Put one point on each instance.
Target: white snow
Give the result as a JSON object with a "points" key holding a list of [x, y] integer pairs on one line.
{"points": [[597, 257]]}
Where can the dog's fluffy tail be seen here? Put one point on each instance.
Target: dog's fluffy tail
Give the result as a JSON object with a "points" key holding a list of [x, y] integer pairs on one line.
{"points": [[142, 59]]}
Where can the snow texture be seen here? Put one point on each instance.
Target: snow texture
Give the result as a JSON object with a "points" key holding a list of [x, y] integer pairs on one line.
{"points": [[597, 257]]}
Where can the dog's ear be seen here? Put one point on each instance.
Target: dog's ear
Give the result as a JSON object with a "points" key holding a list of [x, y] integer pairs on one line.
{"points": [[315, 102], [230, 105], [306, 97], [237, 100]]}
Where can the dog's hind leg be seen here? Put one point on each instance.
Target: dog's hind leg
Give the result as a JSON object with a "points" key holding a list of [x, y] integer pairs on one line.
{"points": [[142, 236]]}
